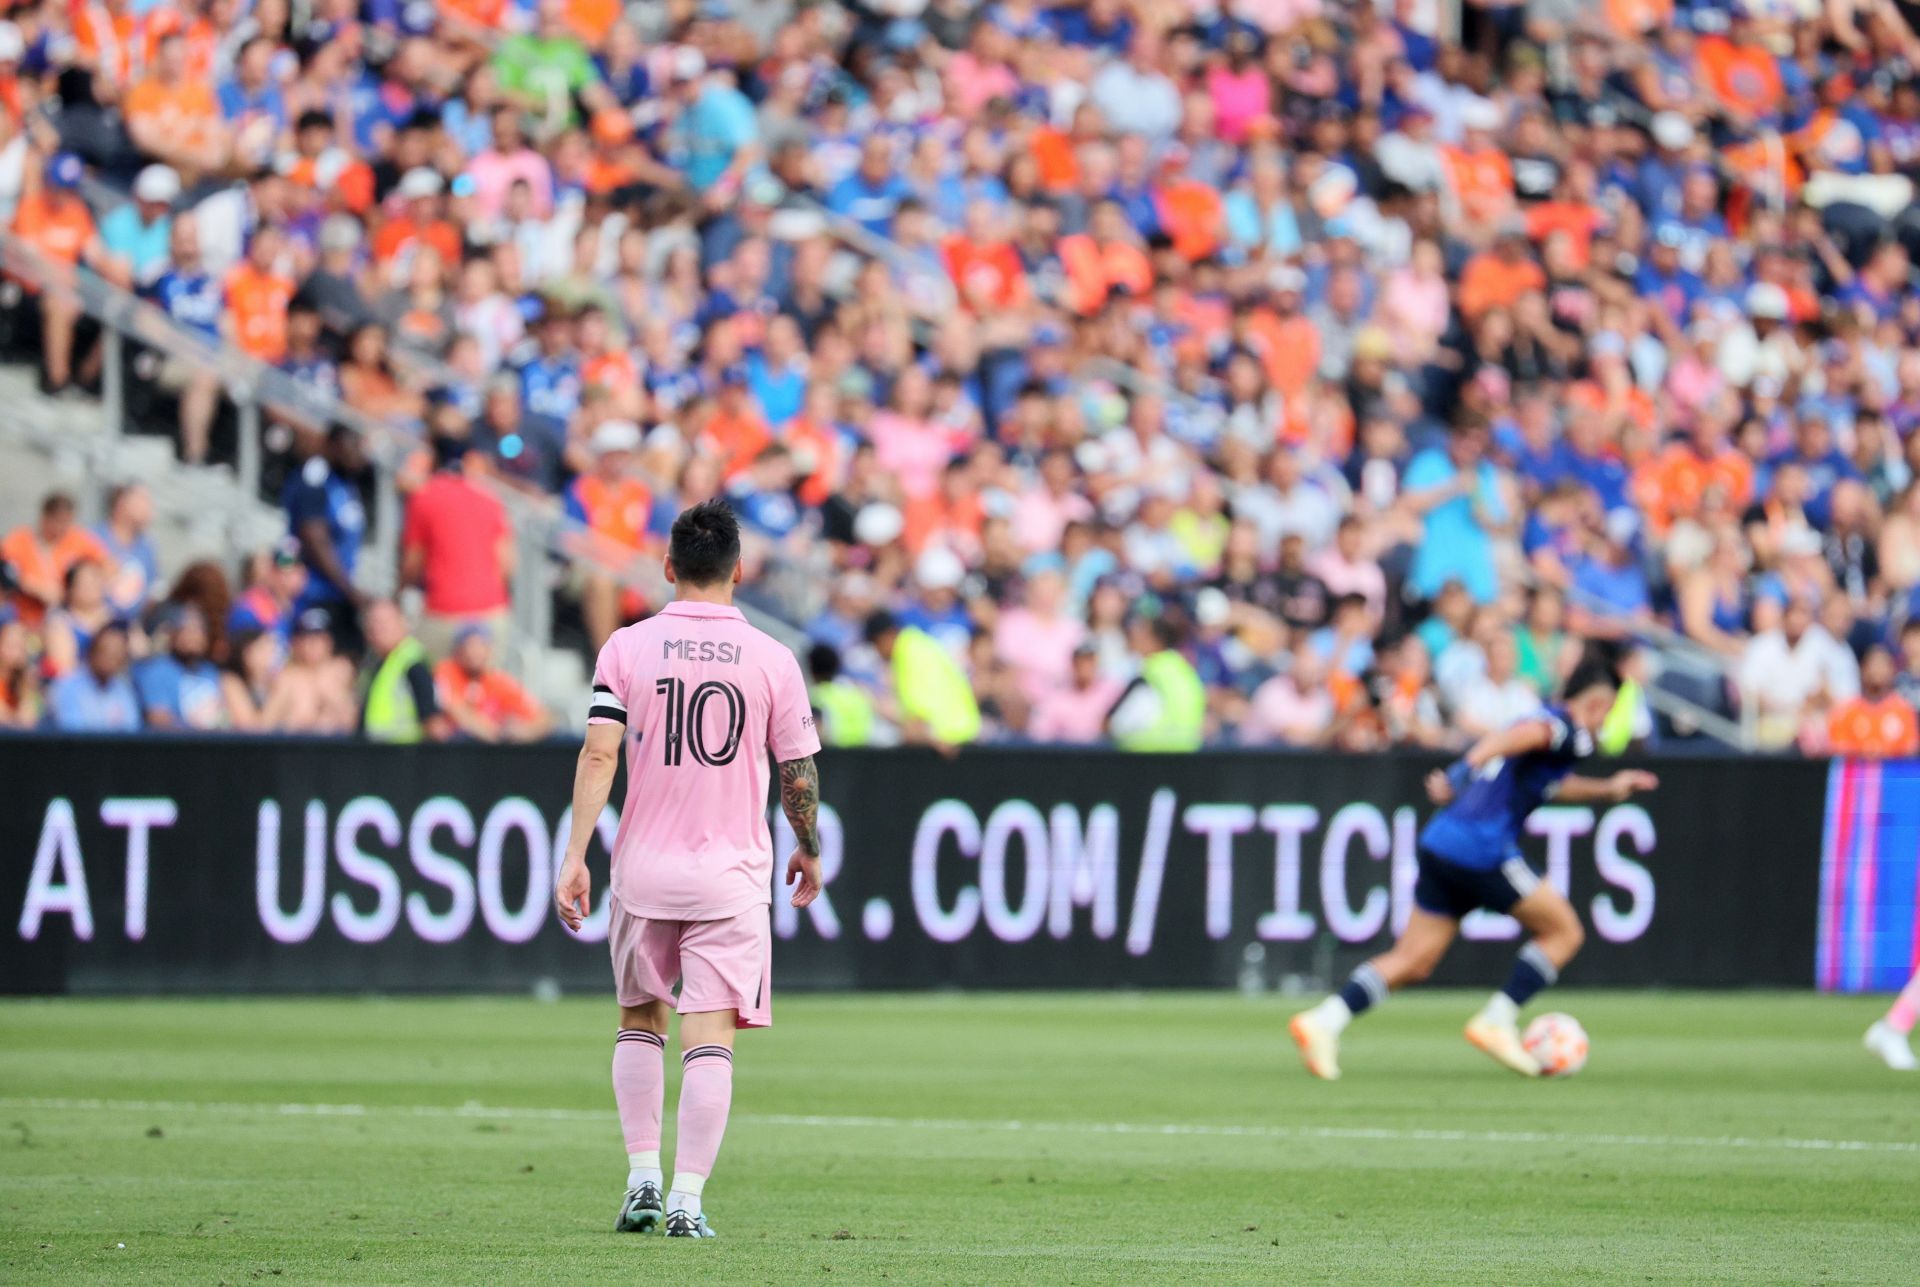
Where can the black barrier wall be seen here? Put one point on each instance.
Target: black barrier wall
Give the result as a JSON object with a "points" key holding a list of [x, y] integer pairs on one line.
{"points": [[159, 865]]}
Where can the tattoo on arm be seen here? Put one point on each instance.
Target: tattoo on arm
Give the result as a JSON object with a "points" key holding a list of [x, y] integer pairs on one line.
{"points": [[800, 798]]}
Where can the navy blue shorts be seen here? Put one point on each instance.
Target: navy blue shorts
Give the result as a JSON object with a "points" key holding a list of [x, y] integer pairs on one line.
{"points": [[1451, 890]]}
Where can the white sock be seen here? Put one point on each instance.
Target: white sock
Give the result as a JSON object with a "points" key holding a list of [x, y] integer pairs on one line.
{"points": [[1501, 1010], [643, 1168], [1333, 1014], [686, 1194]]}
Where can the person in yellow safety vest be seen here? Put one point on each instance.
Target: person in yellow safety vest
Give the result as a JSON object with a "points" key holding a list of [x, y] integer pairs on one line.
{"points": [[935, 698], [1627, 722], [1165, 708], [398, 703], [846, 715]]}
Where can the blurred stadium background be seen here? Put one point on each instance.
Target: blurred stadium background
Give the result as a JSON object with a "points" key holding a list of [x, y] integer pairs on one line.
{"points": [[1165, 430]]}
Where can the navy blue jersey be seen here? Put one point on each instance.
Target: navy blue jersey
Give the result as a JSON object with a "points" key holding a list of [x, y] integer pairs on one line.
{"points": [[194, 300], [317, 492], [1481, 827]]}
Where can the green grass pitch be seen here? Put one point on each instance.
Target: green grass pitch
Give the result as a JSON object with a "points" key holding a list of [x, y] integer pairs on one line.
{"points": [[1095, 1138]]}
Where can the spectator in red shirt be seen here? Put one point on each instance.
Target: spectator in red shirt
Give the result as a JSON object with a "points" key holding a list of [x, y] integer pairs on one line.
{"points": [[457, 545], [984, 265]]}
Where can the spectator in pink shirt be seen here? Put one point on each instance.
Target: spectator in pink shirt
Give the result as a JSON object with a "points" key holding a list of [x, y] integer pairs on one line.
{"points": [[1239, 88], [1414, 304], [1345, 568], [509, 161], [907, 441], [1037, 638], [1274, 16], [1078, 711], [1294, 708], [980, 73], [1041, 515]]}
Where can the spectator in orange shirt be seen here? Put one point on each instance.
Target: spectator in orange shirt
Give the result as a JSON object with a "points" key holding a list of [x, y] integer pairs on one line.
{"points": [[257, 298], [1673, 484], [1496, 278], [1108, 255], [985, 269], [1478, 171], [174, 117], [1191, 213], [818, 445], [422, 220], [1284, 339], [736, 431], [41, 554], [486, 704], [1879, 723], [617, 509], [54, 221], [1740, 71]]}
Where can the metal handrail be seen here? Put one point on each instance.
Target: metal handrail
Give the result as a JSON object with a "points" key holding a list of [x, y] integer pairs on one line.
{"points": [[251, 384], [944, 299]]}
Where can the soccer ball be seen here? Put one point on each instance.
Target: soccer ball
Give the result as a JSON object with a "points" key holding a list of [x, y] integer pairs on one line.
{"points": [[1559, 1043]]}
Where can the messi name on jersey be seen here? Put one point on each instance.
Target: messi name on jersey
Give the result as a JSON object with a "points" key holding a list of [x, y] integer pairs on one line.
{"points": [[700, 650]]}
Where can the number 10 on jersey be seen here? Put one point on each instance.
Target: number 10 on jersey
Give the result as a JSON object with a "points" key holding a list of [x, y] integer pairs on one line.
{"points": [[686, 720]]}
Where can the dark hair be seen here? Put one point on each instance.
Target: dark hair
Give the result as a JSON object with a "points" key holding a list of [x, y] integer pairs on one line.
{"points": [[823, 663], [878, 623], [1592, 672], [705, 544]]}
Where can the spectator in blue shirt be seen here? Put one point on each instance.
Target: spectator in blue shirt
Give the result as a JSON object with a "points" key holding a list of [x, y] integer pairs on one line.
{"points": [[777, 371], [872, 194], [135, 570], [140, 232], [328, 518], [186, 293], [550, 384], [180, 688], [1456, 491], [1663, 279], [97, 697], [1609, 583], [1824, 463], [763, 496], [717, 134], [250, 101]]}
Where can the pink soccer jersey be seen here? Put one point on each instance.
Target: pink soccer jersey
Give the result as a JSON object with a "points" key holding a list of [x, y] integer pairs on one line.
{"points": [[706, 696]]}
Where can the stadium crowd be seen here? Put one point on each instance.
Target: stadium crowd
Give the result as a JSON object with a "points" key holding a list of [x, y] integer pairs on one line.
{"points": [[1284, 372]]}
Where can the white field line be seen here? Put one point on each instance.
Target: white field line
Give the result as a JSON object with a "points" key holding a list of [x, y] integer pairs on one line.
{"points": [[1388, 1134]]}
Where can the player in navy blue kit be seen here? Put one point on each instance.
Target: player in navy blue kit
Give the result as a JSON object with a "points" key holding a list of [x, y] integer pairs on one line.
{"points": [[1470, 858]]}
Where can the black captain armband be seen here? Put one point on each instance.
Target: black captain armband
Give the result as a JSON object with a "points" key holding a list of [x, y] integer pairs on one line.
{"points": [[605, 704]]}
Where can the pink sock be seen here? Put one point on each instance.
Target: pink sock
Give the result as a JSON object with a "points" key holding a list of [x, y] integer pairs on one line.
{"points": [[706, 1093], [639, 1086], [1906, 1008]]}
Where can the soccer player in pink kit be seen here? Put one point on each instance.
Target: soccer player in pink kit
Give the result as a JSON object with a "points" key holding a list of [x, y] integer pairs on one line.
{"points": [[707, 698]]}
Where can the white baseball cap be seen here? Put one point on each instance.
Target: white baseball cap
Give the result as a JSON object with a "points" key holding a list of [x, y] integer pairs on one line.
{"points": [[1768, 302], [1671, 130], [421, 182], [1481, 114], [156, 183], [878, 524], [939, 568], [13, 46], [615, 435]]}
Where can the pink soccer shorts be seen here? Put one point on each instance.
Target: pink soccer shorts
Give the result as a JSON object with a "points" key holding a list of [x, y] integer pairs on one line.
{"points": [[719, 965]]}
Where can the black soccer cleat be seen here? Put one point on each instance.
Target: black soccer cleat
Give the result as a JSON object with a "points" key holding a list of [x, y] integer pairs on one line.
{"points": [[640, 1213], [682, 1225]]}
